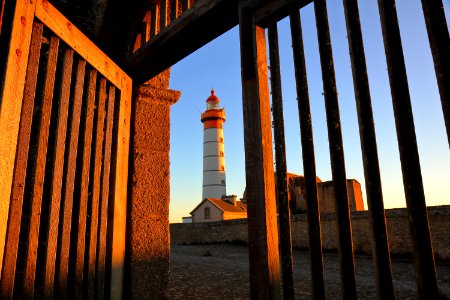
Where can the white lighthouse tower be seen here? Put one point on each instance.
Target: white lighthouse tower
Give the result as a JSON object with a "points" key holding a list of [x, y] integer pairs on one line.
{"points": [[214, 185]]}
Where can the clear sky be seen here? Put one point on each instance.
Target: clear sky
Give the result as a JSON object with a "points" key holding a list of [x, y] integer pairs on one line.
{"points": [[218, 65]]}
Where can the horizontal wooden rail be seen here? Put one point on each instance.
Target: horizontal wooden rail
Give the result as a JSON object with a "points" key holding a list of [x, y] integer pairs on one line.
{"points": [[195, 28]]}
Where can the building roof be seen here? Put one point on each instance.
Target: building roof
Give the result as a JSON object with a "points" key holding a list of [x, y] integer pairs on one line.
{"points": [[224, 205]]}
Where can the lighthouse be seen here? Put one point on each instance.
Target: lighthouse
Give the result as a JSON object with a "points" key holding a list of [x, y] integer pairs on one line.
{"points": [[214, 184]]}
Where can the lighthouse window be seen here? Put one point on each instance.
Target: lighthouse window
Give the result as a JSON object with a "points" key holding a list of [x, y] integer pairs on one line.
{"points": [[221, 139], [207, 213], [222, 168], [223, 182], [221, 153]]}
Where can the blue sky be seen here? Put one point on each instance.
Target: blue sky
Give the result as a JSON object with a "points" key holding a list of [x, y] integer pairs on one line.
{"points": [[218, 65]]}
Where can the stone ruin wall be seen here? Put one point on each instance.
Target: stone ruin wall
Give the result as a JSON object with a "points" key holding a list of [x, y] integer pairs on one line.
{"points": [[397, 222]]}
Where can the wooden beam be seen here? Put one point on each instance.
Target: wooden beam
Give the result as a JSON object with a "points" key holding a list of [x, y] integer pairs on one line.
{"points": [[438, 36], [70, 34], [84, 187], [339, 176], [70, 179], [426, 277], [20, 170], [11, 93], [309, 159], [382, 260], [284, 213], [96, 186], [57, 175], [39, 170], [120, 192], [102, 233], [195, 28], [265, 276]]}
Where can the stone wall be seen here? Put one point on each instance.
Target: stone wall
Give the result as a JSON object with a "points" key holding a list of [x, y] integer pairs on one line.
{"points": [[397, 223], [147, 245]]}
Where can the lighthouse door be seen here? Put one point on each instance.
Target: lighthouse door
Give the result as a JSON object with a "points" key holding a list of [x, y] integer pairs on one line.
{"points": [[64, 130]]}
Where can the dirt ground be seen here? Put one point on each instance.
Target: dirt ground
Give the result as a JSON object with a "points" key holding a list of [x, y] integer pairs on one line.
{"points": [[221, 272]]}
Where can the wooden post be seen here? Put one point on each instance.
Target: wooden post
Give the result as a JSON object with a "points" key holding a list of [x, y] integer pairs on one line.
{"points": [[154, 21], [309, 160], [39, 170], [102, 232], [84, 192], [262, 222], [426, 277], [284, 218], [439, 41], [20, 169], [70, 179], [57, 175], [336, 152], [369, 152], [95, 199], [163, 14], [10, 108], [173, 10]]}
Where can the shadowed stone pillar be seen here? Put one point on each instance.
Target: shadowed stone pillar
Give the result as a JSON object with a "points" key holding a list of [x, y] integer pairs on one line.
{"points": [[149, 191]]}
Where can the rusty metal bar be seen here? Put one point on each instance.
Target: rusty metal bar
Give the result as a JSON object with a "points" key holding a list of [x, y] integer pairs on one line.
{"points": [[433, 11], [336, 152], [409, 156], [284, 218], [262, 222], [369, 151], [309, 160]]}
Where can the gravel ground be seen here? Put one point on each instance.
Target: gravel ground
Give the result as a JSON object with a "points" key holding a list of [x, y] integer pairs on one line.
{"points": [[221, 272]]}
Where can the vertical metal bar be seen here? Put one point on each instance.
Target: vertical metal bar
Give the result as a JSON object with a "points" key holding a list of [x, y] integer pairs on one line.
{"points": [[101, 270], [70, 179], [85, 171], [336, 152], [20, 169], [409, 156], [438, 36], [284, 218], [369, 151], [57, 175], [309, 160], [98, 153], [39, 172], [262, 222]]}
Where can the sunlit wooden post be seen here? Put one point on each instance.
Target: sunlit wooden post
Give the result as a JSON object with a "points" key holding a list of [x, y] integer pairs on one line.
{"points": [[262, 219], [336, 152], [309, 160], [284, 214], [426, 277], [369, 151]]}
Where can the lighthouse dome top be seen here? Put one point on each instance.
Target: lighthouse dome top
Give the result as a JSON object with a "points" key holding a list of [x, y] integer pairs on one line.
{"points": [[212, 97], [213, 101]]}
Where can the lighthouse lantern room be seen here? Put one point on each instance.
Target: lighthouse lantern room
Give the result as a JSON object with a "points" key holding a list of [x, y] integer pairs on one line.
{"points": [[214, 182]]}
